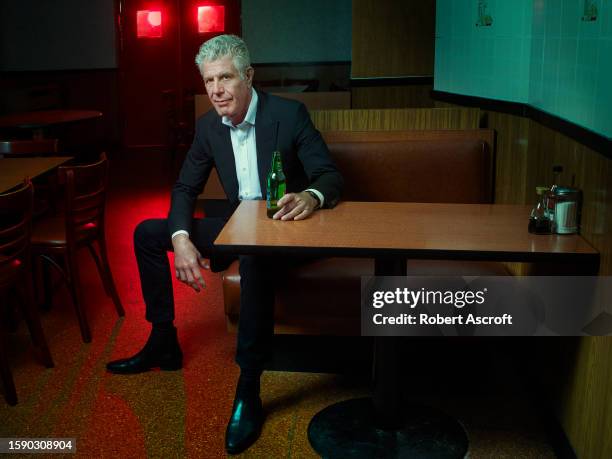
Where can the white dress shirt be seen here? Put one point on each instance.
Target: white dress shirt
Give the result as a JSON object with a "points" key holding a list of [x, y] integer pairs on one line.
{"points": [[245, 152]]}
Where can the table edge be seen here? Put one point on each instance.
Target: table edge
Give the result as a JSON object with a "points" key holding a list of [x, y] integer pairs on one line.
{"points": [[422, 254]]}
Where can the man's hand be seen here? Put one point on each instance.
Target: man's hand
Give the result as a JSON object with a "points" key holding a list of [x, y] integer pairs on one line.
{"points": [[187, 262], [295, 206]]}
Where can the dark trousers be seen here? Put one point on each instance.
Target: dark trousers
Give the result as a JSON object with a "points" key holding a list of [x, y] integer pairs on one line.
{"points": [[256, 326]]}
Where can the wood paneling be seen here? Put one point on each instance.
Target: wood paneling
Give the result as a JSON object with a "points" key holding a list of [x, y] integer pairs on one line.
{"points": [[511, 158], [487, 135], [394, 119], [392, 96], [393, 38], [584, 401]]}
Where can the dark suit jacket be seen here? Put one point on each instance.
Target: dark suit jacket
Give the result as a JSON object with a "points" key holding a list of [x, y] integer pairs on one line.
{"points": [[286, 123]]}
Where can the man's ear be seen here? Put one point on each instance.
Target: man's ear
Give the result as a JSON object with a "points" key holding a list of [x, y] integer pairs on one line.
{"points": [[249, 75]]}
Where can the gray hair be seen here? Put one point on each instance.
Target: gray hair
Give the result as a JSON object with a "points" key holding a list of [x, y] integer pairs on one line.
{"points": [[225, 45]]}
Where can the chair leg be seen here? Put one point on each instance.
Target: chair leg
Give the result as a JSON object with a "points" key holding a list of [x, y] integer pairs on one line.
{"points": [[75, 290], [9, 313], [109, 277], [10, 394], [101, 272], [33, 320], [47, 284]]}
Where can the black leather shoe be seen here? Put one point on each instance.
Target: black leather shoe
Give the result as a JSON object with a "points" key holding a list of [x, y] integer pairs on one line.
{"points": [[161, 351], [245, 423]]}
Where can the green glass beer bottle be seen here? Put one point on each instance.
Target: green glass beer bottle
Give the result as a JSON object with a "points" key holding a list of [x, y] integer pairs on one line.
{"points": [[276, 184]]}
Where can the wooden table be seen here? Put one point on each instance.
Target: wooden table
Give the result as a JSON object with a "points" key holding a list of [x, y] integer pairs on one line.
{"points": [[391, 233], [38, 120], [14, 170], [494, 232]]}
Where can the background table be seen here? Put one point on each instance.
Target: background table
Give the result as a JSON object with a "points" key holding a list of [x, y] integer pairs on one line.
{"points": [[14, 170], [38, 120], [391, 233]]}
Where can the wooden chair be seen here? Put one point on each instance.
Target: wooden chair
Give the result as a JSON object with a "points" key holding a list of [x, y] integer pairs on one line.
{"points": [[15, 272], [58, 239], [39, 147]]}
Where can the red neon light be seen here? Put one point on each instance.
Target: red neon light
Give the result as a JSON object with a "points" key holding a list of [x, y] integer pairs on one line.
{"points": [[148, 24], [211, 18], [154, 18]]}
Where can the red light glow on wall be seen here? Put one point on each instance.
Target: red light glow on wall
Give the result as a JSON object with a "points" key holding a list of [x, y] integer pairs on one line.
{"points": [[148, 24], [211, 18]]}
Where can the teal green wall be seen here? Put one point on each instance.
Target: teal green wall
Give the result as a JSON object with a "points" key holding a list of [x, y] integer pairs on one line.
{"points": [[571, 63], [489, 61], [538, 52]]}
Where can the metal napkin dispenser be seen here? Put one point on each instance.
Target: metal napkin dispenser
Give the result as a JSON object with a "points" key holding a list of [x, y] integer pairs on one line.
{"points": [[565, 204]]}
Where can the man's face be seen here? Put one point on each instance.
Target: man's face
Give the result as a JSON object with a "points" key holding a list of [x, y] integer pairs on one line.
{"points": [[229, 94]]}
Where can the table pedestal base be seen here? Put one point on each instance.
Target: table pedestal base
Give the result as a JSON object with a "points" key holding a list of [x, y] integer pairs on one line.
{"points": [[349, 429]]}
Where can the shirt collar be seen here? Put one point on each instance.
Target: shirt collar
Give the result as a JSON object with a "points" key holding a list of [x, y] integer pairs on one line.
{"points": [[250, 115]]}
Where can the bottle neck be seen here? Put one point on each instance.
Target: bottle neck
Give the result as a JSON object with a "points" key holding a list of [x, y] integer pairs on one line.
{"points": [[277, 163]]}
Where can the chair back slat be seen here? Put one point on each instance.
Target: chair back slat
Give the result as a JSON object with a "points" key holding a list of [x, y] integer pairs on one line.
{"points": [[15, 225], [14, 245], [11, 236], [90, 201]]}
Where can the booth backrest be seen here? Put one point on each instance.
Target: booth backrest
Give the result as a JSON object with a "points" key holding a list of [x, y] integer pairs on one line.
{"points": [[415, 166]]}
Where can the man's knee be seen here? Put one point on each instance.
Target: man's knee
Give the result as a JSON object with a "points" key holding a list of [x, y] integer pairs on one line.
{"points": [[151, 232]]}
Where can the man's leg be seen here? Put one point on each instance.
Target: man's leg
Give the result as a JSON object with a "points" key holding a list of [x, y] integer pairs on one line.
{"points": [[256, 322], [255, 332], [151, 245]]}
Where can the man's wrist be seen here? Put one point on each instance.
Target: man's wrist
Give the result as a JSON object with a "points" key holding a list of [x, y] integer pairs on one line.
{"points": [[179, 235], [315, 197]]}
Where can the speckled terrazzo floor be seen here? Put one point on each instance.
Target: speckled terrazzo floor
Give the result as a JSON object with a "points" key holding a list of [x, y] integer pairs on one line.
{"points": [[184, 413]]}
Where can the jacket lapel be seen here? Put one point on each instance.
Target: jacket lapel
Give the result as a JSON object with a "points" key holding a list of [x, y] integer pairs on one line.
{"points": [[224, 158], [265, 133]]}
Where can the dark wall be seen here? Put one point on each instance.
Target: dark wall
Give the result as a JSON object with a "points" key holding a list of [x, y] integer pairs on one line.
{"points": [[57, 35], [281, 31], [79, 89], [61, 54]]}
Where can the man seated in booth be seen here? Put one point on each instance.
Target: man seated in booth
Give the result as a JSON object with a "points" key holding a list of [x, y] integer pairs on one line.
{"points": [[237, 138]]}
